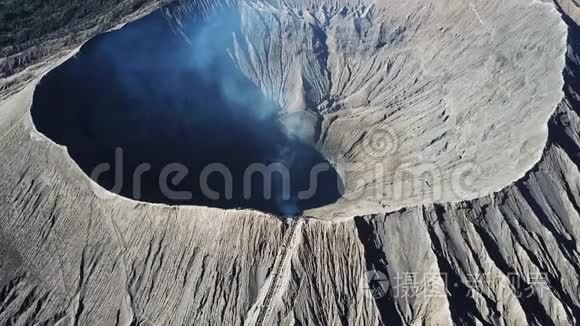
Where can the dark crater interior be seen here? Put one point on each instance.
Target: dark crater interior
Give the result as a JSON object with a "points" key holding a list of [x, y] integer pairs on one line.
{"points": [[141, 100]]}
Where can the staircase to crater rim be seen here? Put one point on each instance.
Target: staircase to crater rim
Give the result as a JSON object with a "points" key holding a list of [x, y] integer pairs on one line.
{"points": [[287, 247]]}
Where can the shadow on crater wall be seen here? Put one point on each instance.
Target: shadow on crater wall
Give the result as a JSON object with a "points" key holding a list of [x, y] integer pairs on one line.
{"points": [[144, 95]]}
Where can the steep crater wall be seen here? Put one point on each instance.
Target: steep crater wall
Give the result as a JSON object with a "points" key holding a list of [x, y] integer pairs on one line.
{"points": [[154, 118], [410, 103], [418, 102]]}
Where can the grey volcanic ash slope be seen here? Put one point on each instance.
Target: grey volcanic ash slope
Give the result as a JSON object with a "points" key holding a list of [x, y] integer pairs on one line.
{"points": [[451, 83], [411, 89]]}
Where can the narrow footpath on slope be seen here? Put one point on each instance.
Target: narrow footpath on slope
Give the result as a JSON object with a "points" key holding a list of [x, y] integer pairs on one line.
{"points": [[281, 261]]}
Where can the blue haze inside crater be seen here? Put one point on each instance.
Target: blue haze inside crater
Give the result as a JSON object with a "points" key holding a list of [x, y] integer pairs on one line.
{"points": [[163, 100]]}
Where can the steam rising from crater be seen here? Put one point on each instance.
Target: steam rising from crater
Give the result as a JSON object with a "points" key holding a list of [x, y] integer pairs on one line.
{"points": [[164, 99], [456, 91]]}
